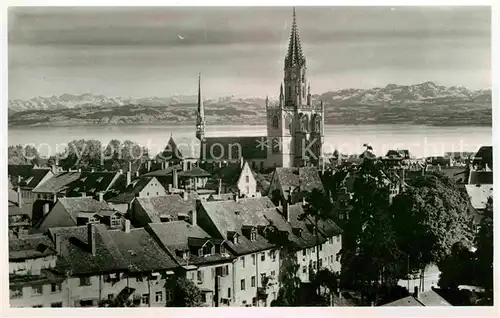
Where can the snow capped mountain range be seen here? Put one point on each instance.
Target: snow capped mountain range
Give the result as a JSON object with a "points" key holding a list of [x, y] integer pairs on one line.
{"points": [[427, 92]]}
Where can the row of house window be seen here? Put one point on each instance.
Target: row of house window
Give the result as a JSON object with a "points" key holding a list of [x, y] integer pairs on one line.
{"points": [[271, 254], [36, 290]]}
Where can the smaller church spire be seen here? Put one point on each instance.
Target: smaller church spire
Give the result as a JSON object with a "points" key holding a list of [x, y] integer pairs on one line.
{"points": [[200, 118], [267, 101]]}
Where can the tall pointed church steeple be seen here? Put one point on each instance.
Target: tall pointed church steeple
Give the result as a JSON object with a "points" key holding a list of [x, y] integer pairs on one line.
{"points": [[200, 118], [294, 54]]}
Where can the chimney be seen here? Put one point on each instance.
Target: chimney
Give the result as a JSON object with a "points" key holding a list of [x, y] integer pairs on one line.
{"points": [[120, 171], [219, 187], [19, 197], [242, 161], [184, 165], [175, 178], [170, 188], [286, 209], [130, 166], [91, 238], [237, 196], [129, 177], [84, 195], [101, 196], [54, 169], [126, 226], [415, 292], [163, 165], [46, 208], [149, 165], [193, 216], [185, 195], [220, 164], [303, 201], [92, 169], [57, 241], [19, 179]]}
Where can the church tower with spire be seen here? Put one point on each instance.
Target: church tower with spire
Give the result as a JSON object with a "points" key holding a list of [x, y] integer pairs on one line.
{"points": [[295, 126], [200, 115]]}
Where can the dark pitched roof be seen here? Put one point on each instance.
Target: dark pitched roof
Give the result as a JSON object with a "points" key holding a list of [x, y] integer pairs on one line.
{"points": [[485, 155], [231, 216], [58, 183], [168, 172], [139, 249], [46, 276], [30, 176], [31, 246], [92, 183], [171, 205], [401, 153], [115, 251], [221, 197], [233, 148], [171, 151], [181, 236], [481, 177], [304, 178], [129, 193], [77, 205], [228, 174]]}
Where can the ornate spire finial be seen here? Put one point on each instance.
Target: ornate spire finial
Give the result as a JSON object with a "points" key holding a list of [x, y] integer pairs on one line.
{"points": [[200, 119], [294, 55]]}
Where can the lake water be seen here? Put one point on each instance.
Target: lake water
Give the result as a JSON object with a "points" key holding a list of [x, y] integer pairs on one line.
{"points": [[420, 140]]}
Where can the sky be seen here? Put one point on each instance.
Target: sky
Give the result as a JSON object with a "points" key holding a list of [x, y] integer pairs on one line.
{"points": [[140, 52]]}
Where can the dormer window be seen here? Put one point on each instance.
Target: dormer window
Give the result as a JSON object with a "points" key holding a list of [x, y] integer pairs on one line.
{"points": [[83, 179], [253, 235], [297, 231], [99, 179], [207, 249]]}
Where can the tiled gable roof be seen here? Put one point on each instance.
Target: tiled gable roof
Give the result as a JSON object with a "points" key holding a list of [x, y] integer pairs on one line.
{"points": [[92, 183], [172, 205], [168, 172], [116, 251], [128, 194], [58, 183], [305, 179], [76, 205], [139, 249], [32, 246], [181, 236], [30, 176], [231, 216], [233, 148]]}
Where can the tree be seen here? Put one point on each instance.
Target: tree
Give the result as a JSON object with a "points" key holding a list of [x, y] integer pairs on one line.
{"points": [[429, 219], [81, 153], [289, 292], [457, 268], [186, 294], [19, 154], [484, 252]]}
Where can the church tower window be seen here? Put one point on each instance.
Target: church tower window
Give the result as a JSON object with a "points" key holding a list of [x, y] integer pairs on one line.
{"points": [[304, 123], [275, 122]]}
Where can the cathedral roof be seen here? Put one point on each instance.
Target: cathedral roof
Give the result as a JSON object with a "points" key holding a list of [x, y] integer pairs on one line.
{"points": [[233, 148]]}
